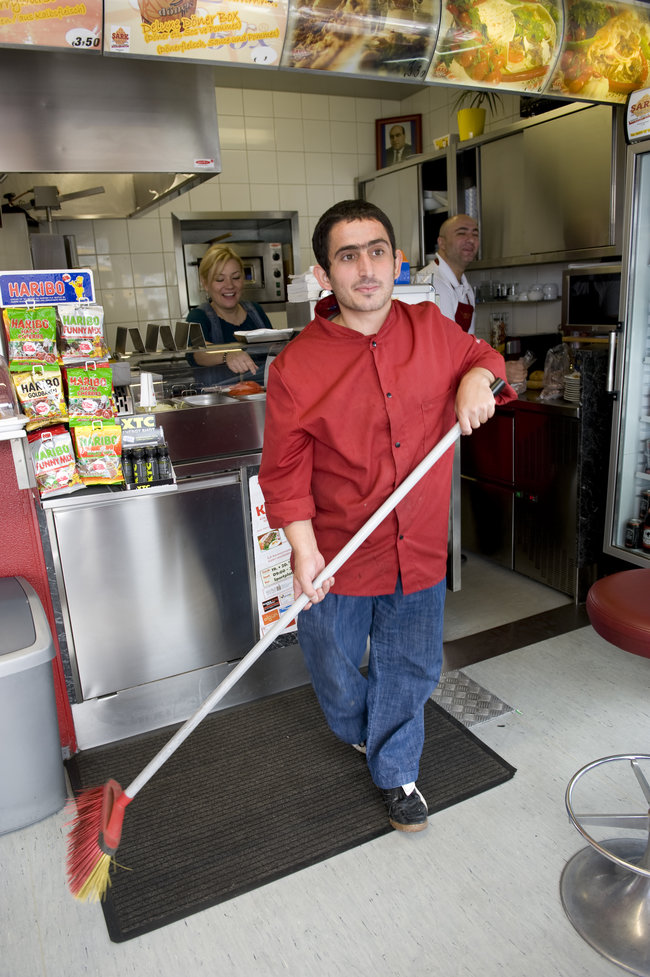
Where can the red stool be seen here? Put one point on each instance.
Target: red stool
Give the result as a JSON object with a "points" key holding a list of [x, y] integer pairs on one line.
{"points": [[605, 888], [619, 610]]}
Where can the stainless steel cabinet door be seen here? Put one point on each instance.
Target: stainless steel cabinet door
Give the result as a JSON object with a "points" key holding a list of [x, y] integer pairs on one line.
{"points": [[155, 585]]}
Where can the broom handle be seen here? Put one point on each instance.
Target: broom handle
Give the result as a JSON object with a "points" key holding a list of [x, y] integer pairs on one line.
{"points": [[335, 564]]}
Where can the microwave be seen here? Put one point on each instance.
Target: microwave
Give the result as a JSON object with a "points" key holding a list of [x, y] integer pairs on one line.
{"points": [[591, 296]]}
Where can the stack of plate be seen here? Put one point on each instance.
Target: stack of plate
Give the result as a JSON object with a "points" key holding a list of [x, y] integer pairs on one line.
{"points": [[572, 387], [435, 200]]}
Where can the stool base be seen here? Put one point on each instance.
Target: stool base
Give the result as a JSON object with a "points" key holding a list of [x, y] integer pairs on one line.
{"points": [[609, 906]]}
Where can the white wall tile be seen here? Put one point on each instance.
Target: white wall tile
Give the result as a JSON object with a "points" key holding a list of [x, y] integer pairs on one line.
{"points": [[206, 197], [293, 197], [344, 168], [114, 271], [237, 196], [234, 167], [148, 269], [315, 106], [144, 236], [167, 230], [257, 103], [173, 303], [119, 305], [230, 101], [317, 135], [151, 304], [232, 133], [111, 236], [318, 168], [367, 109], [171, 275], [286, 105], [265, 196], [342, 109], [344, 191], [343, 137], [291, 169], [262, 167], [260, 133], [319, 199], [289, 135], [366, 138]]}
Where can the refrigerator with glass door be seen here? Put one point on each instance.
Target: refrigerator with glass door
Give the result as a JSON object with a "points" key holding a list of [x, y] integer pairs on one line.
{"points": [[628, 490]]}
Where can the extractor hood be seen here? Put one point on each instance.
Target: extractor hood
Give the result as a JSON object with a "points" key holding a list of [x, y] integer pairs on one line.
{"points": [[144, 131]]}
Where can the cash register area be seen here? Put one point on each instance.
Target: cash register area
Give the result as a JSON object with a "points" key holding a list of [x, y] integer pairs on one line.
{"points": [[475, 895]]}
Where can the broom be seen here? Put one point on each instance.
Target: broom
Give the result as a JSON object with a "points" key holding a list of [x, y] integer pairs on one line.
{"points": [[97, 826]]}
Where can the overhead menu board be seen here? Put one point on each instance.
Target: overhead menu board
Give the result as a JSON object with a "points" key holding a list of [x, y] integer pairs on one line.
{"points": [[392, 38], [239, 31], [498, 44], [52, 24], [605, 52]]}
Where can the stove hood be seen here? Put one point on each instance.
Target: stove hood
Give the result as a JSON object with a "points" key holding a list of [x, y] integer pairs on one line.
{"points": [[132, 133]]}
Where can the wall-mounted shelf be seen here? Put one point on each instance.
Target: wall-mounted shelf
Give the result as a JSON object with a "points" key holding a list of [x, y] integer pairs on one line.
{"points": [[509, 304]]}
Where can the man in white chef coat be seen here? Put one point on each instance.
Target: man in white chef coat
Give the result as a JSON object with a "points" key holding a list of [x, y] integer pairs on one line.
{"points": [[457, 248]]}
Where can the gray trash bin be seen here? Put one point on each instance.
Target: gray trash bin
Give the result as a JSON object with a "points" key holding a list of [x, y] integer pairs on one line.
{"points": [[32, 781]]}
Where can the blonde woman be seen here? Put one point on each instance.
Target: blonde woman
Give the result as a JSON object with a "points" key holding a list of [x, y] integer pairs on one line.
{"points": [[222, 276]]}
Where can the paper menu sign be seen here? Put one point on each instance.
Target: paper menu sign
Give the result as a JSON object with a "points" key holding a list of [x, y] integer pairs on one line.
{"points": [[273, 574], [52, 24], [247, 32]]}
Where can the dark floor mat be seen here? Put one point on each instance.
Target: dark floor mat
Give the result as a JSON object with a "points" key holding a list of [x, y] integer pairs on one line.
{"points": [[255, 793]]}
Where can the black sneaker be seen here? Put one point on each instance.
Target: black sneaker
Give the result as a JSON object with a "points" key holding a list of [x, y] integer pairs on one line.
{"points": [[406, 812]]}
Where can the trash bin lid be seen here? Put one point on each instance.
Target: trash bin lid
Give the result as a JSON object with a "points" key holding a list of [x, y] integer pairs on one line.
{"points": [[25, 637]]}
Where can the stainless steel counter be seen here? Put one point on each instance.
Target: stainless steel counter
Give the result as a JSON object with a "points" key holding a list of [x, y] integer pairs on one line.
{"points": [[157, 587]]}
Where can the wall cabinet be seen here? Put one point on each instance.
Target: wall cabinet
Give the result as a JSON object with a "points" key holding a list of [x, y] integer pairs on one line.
{"points": [[538, 197]]}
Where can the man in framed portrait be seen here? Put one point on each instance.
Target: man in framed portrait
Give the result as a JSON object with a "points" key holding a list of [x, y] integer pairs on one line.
{"points": [[399, 148]]}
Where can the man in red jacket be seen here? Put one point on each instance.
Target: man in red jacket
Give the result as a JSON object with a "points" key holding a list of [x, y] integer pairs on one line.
{"points": [[353, 404]]}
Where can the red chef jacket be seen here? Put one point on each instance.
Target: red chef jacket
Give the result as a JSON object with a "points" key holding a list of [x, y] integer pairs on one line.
{"points": [[348, 417]]}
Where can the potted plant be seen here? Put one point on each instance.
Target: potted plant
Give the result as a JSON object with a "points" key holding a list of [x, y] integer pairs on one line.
{"points": [[471, 106]]}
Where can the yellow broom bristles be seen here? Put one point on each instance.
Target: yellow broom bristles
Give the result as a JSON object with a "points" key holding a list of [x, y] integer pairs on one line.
{"points": [[96, 885]]}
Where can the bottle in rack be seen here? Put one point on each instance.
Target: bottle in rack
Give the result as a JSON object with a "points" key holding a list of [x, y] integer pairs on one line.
{"points": [[164, 463], [139, 467], [645, 542]]}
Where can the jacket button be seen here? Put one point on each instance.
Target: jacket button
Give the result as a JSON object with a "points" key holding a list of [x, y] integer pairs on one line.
{"points": [[389, 395], [398, 444], [373, 344]]}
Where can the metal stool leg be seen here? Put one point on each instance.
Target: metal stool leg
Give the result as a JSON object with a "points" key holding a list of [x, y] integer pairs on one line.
{"points": [[605, 889]]}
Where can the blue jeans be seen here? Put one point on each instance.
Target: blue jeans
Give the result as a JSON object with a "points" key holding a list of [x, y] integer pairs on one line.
{"points": [[386, 709]]}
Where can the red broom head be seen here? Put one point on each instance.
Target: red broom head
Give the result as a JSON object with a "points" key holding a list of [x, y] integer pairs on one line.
{"points": [[94, 838]]}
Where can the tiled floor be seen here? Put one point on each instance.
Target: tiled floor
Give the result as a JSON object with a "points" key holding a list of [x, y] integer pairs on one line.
{"points": [[476, 895]]}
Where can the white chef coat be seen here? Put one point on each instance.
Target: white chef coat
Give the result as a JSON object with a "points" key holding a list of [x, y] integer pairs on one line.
{"points": [[449, 290]]}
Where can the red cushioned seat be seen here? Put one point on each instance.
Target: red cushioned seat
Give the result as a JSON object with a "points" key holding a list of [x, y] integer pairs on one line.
{"points": [[619, 610]]}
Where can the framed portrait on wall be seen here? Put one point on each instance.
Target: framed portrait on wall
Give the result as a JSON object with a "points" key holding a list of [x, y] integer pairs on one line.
{"points": [[397, 139]]}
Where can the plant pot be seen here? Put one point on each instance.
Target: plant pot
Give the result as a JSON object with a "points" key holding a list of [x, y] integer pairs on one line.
{"points": [[471, 123]]}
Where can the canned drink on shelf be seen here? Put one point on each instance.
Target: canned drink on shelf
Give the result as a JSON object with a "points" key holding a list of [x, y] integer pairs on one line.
{"points": [[644, 504], [633, 534]]}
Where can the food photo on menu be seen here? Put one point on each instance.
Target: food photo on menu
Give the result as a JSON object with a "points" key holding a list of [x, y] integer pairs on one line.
{"points": [[374, 37], [496, 43], [606, 50]]}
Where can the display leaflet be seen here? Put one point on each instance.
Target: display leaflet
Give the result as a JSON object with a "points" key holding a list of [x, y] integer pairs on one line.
{"points": [[273, 574]]}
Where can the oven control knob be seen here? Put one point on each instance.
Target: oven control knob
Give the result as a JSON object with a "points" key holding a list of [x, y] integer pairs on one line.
{"points": [[277, 273], [276, 255]]}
